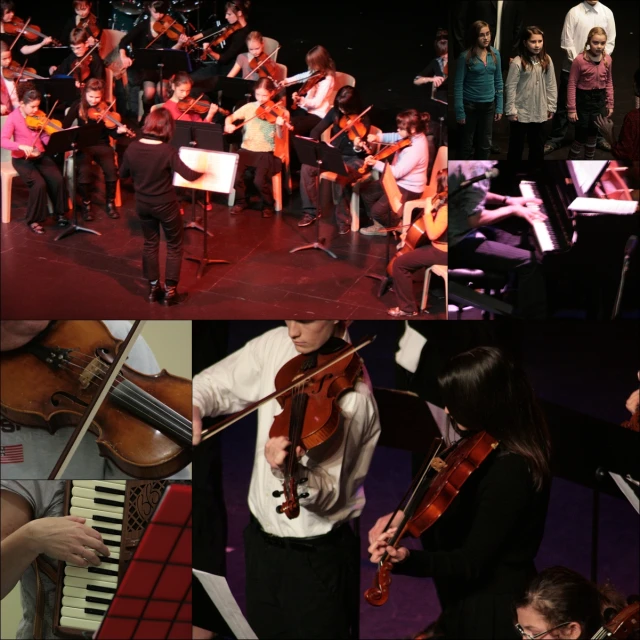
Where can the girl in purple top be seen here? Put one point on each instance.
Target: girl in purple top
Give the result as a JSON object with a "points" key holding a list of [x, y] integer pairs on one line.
{"points": [[40, 172], [589, 93]]}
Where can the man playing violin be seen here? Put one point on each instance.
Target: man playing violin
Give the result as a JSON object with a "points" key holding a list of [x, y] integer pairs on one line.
{"points": [[300, 571]]}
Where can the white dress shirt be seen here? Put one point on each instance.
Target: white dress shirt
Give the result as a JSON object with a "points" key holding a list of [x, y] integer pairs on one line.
{"points": [[577, 24], [317, 102], [335, 475]]}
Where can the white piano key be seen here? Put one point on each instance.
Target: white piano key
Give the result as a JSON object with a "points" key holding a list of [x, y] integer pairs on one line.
{"points": [[116, 485], [79, 572], [82, 583], [84, 625], [76, 592], [79, 614], [91, 514], [89, 503], [81, 603], [116, 528]]}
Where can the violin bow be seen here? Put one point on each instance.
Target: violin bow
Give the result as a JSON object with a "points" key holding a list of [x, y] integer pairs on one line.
{"points": [[273, 53], [26, 24], [162, 32], [44, 124], [78, 64], [353, 121], [217, 428], [92, 409], [184, 113]]}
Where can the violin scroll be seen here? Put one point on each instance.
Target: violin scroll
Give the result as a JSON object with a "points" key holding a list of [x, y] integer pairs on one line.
{"points": [[378, 594]]}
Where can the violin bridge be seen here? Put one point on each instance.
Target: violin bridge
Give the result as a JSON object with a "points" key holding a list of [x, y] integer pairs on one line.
{"points": [[93, 370]]}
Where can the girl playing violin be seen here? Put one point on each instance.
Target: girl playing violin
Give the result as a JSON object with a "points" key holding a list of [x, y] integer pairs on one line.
{"points": [[92, 67], [409, 168], [255, 45], [347, 103], [83, 15], [103, 154], [8, 87], [7, 8], [39, 172], [258, 145], [481, 550], [181, 85], [150, 161], [315, 105]]}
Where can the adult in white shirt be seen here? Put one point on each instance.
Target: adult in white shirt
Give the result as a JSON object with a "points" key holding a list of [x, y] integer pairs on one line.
{"points": [[577, 24], [301, 572]]}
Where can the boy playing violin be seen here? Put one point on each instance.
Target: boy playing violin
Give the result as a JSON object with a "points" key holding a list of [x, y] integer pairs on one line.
{"points": [[300, 572], [92, 67]]}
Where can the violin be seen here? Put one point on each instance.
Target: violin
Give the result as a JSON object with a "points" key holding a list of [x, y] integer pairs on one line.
{"points": [[220, 36], [200, 106], [111, 119], [389, 150], [40, 122], [623, 624], [432, 495], [309, 83], [144, 424], [271, 111], [90, 25], [168, 26], [355, 128], [82, 69], [310, 413], [16, 71], [266, 67], [31, 33]]}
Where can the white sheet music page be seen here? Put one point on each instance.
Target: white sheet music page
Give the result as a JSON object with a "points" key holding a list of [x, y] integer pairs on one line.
{"points": [[219, 169], [600, 206], [220, 594]]}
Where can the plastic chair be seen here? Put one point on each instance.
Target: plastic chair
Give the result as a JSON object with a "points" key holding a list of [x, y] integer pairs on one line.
{"points": [[439, 270], [270, 45], [109, 41]]}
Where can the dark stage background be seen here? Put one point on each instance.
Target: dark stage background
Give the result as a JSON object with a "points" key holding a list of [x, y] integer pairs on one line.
{"points": [[549, 16], [585, 367]]}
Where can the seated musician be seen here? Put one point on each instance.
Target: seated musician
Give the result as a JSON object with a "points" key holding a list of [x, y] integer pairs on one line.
{"points": [[300, 571], [8, 90], [82, 11], [80, 47], [8, 11], [242, 66], [409, 168], [560, 603], [346, 103], [29, 452], [479, 554], [476, 243], [32, 527], [435, 220], [181, 85], [142, 36]]}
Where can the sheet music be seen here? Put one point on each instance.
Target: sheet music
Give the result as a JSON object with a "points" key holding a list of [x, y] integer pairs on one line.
{"points": [[603, 206], [220, 594], [219, 169], [585, 174], [627, 490]]}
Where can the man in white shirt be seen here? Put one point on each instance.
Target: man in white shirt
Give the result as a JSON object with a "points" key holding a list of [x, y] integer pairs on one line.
{"points": [[301, 572], [577, 24]]}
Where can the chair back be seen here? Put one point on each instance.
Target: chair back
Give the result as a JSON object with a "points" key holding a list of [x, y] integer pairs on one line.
{"points": [[440, 162], [270, 45], [109, 41], [341, 80]]}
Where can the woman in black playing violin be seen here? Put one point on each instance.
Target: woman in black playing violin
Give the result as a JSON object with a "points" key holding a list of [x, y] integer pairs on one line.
{"points": [[481, 552]]}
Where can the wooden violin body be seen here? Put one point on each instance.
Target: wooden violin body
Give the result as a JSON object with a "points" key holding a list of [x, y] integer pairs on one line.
{"points": [[40, 122], [111, 119], [266, 66], [144, 425], [15, 71], [271, 111], [220, 37], [31, 33], [309, 83]]}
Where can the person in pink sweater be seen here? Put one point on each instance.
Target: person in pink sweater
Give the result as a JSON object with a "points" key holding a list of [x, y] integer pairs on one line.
{"points": [[589, 93], [40, 172]]}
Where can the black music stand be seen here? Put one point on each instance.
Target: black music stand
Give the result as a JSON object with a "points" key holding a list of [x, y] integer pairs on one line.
{"points": [[63, 89], [316, 153], [74, 139], [201, 135], [234, 88], [168, 61], [53, 57]]}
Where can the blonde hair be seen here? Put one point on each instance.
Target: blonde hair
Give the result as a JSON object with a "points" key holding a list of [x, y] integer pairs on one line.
{"points": [[255, 35], [596, 31]]}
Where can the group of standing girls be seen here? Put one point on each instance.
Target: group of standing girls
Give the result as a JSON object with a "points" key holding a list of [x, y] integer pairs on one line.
{"points": [[530, 94]]}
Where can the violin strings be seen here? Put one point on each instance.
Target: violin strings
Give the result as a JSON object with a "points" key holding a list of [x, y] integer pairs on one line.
{"points": [[174, 422]]}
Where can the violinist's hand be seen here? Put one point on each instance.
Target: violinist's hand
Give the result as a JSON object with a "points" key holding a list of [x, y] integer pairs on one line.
{"points": [[438, 80], [68, 539], [121, 129], [372, 137], [52, 70], [369, 161], [78, 84], [549, 115], [632, 401], [29, 152], [46, 41], [91, 41], [376, 531], [378, 548], [16, 333], [609, 113], [280, 121], [183, 39], [196, 420], [229, 128], [420, 80], [276, 451], [295, 98], [213, 109]]}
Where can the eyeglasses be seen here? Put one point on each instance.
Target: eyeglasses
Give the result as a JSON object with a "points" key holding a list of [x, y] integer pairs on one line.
{"points": [[528, 636]]}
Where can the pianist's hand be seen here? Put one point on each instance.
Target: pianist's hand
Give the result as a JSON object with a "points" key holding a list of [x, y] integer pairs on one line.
{"points": [[529, 215], [67, 539], [523, 200]]}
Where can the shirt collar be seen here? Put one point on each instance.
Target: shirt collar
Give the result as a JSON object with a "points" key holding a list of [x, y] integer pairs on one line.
{"points": [[588, 7]]}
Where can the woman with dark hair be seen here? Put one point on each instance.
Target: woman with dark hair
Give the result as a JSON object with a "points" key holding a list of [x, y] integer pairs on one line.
{"points": [[150, 161], [346, 103], [478, 92], [481, 551], [560, 603]]}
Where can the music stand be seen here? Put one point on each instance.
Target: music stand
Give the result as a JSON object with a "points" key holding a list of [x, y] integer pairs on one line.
{"points": [[234, 88], [219, 170], [316, 153], [201, 135], [168, 61], [62, 89], [74, 139], [53, 56]]}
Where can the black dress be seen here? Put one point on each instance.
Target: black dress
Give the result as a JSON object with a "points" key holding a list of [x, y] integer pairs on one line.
{"points": [[482, 550]]}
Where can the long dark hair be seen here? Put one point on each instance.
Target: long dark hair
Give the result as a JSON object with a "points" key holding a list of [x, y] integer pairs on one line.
{"points": [[472, 41], [562, 595], [485, 391], [525, 55], [349, 100]]}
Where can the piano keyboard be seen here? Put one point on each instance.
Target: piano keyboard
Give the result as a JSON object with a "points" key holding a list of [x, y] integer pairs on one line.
{"points": [[542, 229], [87, 592]]}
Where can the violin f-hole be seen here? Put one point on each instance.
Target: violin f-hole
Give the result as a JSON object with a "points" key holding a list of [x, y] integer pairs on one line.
{"points": [[55, 402]]}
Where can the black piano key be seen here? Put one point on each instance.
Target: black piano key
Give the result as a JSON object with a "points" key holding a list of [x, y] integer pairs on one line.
{"points": [[95, 587], [100, 570], [95, 612], [107, 531], [98, 518], [111, 503], [115, 492], [97, 600], [109, 560]]}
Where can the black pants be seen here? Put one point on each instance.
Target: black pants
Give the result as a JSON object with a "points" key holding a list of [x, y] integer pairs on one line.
{"points": [[479, 126], [377, 202], [498, 252], [589, 104], [534, 132], [42, 176], [406, 265], [167, 216], [266, 165], [301, 589]]}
